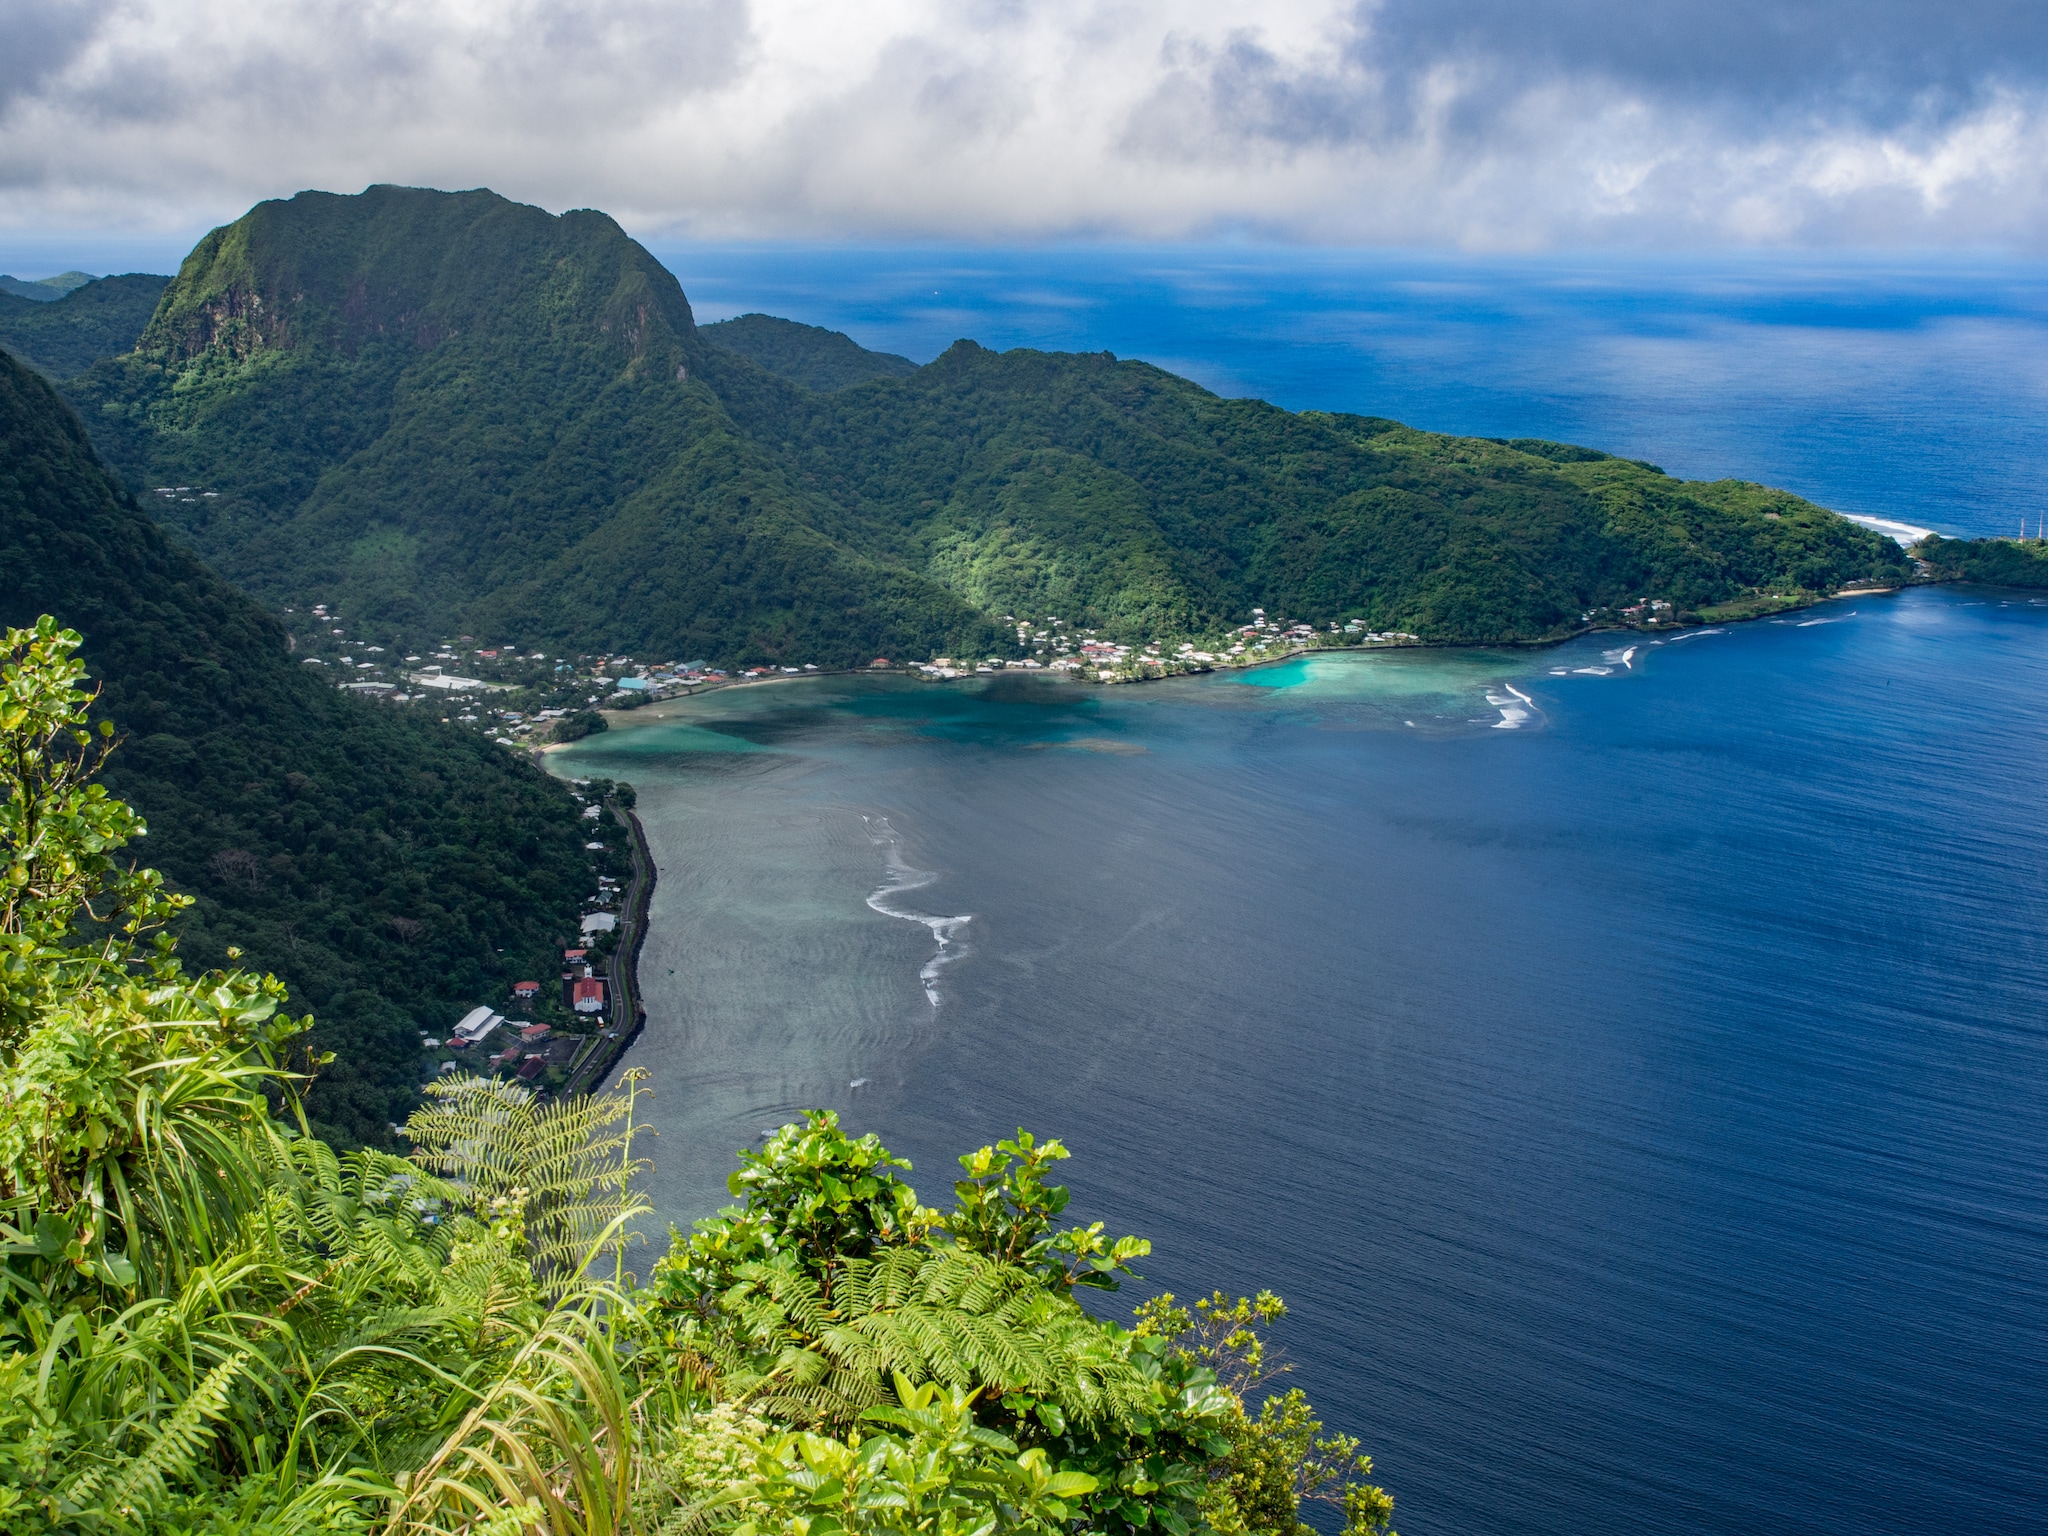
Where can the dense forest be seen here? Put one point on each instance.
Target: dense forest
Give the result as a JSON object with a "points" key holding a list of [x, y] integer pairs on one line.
{"points": [[213, 1325], [66, 336], [809, 355], [393, 871], [1994, 562], [450, 411]]}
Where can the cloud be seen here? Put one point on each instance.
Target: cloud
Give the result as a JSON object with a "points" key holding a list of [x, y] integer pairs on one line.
{"points": [[1486, 124]]}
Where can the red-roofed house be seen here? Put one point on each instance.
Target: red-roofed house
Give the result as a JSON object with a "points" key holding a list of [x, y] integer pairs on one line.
{"points": [[526, 991]]}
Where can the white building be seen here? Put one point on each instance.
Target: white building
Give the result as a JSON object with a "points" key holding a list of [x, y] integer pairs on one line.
{"points": [[476, 1024]]}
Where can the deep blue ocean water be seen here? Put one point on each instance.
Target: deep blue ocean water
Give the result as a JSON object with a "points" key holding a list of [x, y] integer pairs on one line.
{"points": [[1644, 1108], [1910, 389]]}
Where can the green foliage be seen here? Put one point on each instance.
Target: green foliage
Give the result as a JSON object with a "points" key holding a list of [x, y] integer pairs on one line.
{"points": [[93, 321], [391, 870], [447, 410], [1994, 562], [808, 355], [274, 1340], [1279, 1458], [579, 724], [450, 409], [568, 1165], [1005, 1210]]}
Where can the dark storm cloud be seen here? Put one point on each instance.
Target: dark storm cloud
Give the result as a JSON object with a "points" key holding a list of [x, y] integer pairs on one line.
{"points": [[1885, 66], [38, 38], [1881, 61]]}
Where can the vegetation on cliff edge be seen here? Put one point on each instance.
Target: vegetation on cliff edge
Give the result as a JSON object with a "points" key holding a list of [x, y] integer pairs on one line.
{"points": [[211, 1324]]}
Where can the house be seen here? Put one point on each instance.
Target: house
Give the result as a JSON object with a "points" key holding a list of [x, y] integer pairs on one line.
{"points": [[475, 1025], [574, 956], [526, 991], [587, 996], [534, 1032], [600, 922], [532, 1067]]}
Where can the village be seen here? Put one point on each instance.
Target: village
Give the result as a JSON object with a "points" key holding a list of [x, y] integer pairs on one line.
{"points": [[550, 1036], [1050, 646]]}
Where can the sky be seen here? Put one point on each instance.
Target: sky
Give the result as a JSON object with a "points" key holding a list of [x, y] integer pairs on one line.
{"points": [[1498, 126]]}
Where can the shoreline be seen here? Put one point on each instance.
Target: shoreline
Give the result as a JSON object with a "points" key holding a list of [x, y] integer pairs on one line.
{"points": [[629, 1016], [616, 717]]}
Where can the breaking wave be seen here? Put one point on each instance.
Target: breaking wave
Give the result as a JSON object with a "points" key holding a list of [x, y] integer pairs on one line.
{"points": [[900, 877]]}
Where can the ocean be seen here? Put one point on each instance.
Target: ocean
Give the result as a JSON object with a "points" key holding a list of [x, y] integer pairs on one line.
{"points": [[1914, 390], [1627, 1059], [1628, 1064]]}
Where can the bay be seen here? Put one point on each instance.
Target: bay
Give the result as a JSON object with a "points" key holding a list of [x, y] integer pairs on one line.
{"points": [[1629, 1063]]}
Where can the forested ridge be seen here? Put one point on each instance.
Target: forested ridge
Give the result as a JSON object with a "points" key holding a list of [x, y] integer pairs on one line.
{"points": [[449, 411], [65, 336], [392, 870]]}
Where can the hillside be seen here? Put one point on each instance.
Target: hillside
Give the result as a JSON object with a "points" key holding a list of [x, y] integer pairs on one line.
{"points": [[1994, 562], [449, 411], [70, 332], [808, 355], [43, 290], [1116, 492], [390, 870]]}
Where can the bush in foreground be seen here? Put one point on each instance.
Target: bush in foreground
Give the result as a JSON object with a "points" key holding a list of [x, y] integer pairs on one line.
{"points": [[212, 1323]]}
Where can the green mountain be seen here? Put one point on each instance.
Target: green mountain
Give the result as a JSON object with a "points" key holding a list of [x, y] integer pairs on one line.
{"points": [[74, 330], [391, 870], [43, 290], [809, 355], [451, 412]]}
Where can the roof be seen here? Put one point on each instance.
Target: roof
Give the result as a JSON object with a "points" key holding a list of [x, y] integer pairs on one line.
{"points": [[600, 922], [525, 986], [476, 1024]]}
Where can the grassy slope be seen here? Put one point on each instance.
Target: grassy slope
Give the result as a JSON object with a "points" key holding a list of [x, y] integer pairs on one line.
{"points": [[453, 412], [354, 814], [68, 335]]}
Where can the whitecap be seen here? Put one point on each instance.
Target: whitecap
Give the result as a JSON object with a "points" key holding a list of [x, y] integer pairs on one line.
{"points": [[901, 877], [1593, 672], [1515, 710]]}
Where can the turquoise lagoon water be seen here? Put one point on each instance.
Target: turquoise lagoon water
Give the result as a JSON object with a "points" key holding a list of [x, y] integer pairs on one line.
{"points": [[1630, 1064]]}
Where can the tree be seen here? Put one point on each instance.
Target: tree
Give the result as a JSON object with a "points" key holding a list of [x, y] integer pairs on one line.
{"points": [[213, 1324]]}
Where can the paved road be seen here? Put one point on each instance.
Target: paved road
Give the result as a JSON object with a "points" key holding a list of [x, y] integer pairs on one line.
{"points": [[621, 969]]}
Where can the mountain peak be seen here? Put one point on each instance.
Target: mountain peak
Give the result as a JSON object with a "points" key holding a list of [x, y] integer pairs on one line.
{"points": [[409, 267]]}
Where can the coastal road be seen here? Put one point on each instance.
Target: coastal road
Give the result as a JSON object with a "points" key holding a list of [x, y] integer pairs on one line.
{"points": [[622, 969]]}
